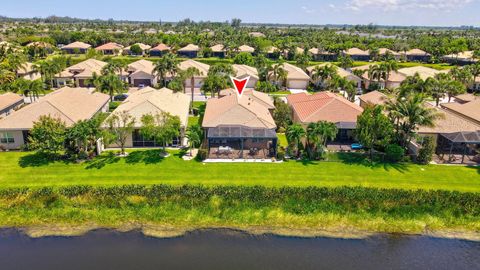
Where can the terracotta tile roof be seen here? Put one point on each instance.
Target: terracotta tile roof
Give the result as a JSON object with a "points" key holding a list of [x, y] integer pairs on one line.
{"points": [[77, 45], [192, 63], [161, 47], [232, 110], [356, 51], [374, 97], [69, 104], [218, 48], [257, 96], [109, 46], [246, 48], [244, 70], [449, 123], [8, 99], [151, 101], [189, 48], [323, 106], [469, 110]]}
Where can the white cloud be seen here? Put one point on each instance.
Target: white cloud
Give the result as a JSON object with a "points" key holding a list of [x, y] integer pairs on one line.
{"points": [[392, 5], [308, 10]]}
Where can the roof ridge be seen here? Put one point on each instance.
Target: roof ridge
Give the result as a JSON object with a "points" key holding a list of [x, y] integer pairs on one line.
{"points": [[49, 102]]}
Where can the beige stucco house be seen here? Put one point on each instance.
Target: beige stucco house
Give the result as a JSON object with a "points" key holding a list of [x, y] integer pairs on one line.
{"points": [[152, 101], [68, 104], [79, 74]]}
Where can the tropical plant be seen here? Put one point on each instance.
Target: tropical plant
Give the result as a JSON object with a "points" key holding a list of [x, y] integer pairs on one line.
{"points": [[47, 135], [295, 133], [167, 65], [194, 135], [162, 127], [109, 83], [189, 74], [120, 126], [374, 129]]}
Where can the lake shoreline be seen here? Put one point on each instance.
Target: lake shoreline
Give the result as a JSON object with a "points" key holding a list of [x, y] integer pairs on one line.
{"points": [[165, 231]]}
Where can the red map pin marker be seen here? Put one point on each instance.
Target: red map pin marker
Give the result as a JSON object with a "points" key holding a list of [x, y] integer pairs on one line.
{"points": [[240, 84]]}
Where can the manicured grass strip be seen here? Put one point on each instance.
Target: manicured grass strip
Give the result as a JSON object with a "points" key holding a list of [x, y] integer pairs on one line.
{"points": [[370, 209], [26, 169]]}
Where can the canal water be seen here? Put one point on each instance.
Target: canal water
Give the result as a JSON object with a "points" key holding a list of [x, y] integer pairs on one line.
{"points": [[231, 250]]}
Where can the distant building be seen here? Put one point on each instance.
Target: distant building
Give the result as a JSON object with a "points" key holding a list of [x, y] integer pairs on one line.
{"points": [[159, 50], [189, 51], [110, 48], [76, 47], [357, 54], [417, 55], [9, 102], [80, 74], [140, 73]]}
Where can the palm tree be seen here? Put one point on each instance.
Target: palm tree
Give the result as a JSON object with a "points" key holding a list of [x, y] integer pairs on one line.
{"points": [[109, 83], [462, 75], [350, 88], [475, 71], [295, 133], [194, 136], [190, 73], [167, 65], [323, 73], [409, 113], [388, 67], [278, 74], [453, 88]]}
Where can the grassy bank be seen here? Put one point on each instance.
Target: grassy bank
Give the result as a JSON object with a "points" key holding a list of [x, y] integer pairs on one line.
{"points": [[27, 169], [268, 209]]}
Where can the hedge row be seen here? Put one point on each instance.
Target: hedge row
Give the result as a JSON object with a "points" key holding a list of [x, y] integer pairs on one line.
{"points": [[294, 199]]}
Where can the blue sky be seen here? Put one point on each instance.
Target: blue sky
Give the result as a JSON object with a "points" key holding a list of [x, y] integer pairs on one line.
{"points": [[390, 12]]}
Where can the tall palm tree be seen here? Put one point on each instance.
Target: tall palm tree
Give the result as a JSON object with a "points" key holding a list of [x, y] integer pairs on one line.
{"points": [[475, 71], [109, 83], [321, 74], [167, 65], [278, 74], [388, 67], [190, 73], [194, 136], [409, 113], [295, 133]]}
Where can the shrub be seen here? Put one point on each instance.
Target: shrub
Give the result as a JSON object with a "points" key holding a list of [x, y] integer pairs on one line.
{"points": [[202, 154], [425, 154], [280, 154], [394, 153]]}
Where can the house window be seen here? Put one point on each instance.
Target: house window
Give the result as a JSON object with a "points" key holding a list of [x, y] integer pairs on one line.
{"points": [[6, 137]]}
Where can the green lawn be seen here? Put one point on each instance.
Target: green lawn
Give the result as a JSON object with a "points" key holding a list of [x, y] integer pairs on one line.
{"points": [[146, 167]]}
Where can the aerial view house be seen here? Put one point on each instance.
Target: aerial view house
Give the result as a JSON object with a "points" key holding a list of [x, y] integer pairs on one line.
{"points": [[28, 72], [76, 47], [457, 136], [357, 54], [67, 104], [273, 52], [326, 106], [110, 48], [79, 74], [384, 52], [461, 58], [322, 55], [140, 73], [152, 101], [255, 96], [143, 49], [417, 55], [296, 77], [372, 98], [218, 51], [246, 49], [189, 51], [243, 71], [465, 98], [394, 80], [469, 110], [198, 80], [424, 72], [340, 72], [9, 102], [239, 128], [159, 50], [40, 44]]}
